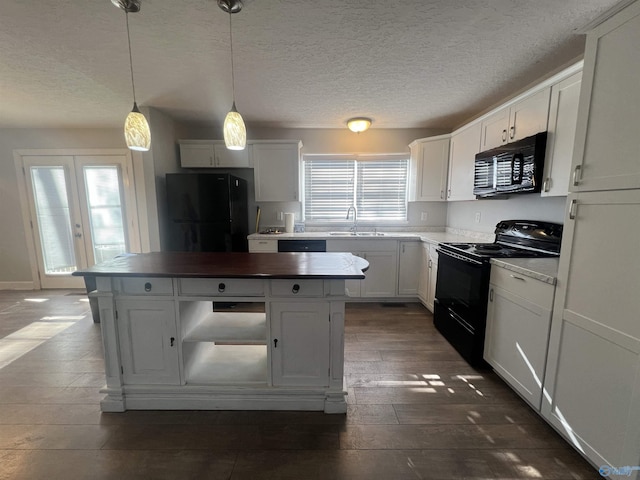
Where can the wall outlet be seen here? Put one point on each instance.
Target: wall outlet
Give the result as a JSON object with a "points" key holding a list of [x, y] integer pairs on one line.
{"points": [[424, 216], [478, 217]]}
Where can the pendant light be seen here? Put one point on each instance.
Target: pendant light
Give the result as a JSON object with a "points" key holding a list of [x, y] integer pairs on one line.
{"points": [[234, 130], [136, 128]]}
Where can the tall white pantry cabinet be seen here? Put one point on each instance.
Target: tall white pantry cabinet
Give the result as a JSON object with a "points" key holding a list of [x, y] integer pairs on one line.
{"points": [[592, 381]]}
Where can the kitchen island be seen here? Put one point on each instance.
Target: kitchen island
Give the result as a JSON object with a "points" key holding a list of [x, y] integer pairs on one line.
{"points": [[167, 347]]}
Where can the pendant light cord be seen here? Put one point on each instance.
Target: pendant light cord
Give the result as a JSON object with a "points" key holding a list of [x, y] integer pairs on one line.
{"points": [[133, 85], [233, 79]]}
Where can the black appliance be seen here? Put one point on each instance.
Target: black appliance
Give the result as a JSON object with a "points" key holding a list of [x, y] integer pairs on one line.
{"points": [[462, 286], [207, 212], [302, 245], [512, 168]]}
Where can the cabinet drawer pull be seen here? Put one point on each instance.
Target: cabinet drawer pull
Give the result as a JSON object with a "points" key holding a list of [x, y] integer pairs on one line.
{"points": [[491, 295], [147, 287], [173, 339], [275, 343], [518, 278], [545, 185], [296, 288], [221, 287]]}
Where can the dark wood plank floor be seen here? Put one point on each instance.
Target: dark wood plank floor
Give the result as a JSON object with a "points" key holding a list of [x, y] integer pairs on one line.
{"points": [[416, 411]]}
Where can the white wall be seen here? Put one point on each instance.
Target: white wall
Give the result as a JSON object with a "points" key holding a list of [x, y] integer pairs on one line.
{"points": [[461, 215]]}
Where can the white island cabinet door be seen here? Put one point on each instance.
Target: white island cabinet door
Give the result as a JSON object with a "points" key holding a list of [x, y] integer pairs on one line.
{"points": [[148, 342], [300, 343]]}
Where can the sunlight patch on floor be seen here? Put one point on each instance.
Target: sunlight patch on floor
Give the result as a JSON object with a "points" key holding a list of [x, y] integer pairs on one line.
{"points": [[22, 341]]}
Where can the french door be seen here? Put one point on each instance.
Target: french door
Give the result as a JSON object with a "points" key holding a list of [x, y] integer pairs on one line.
{"points": [[82, 213]]}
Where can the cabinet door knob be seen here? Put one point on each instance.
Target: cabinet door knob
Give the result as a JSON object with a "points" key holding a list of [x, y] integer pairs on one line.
{"points": [[296, 288], [221, 287], [147, 287]]}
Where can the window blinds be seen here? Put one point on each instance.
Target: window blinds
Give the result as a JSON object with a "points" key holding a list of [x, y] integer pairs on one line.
{"points": [[376, 185]]}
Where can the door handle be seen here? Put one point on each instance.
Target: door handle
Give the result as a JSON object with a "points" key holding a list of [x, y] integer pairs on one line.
{"points": [[77, 235], [512, 132], [572, 209], [576, 174]]}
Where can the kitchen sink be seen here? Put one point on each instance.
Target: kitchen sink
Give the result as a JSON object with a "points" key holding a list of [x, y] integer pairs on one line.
{"points": [[358, 234]]}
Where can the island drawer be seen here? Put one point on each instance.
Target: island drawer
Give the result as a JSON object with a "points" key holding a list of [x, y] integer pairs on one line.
{"points": [[297, 288], [146, 286], [228, 287]]}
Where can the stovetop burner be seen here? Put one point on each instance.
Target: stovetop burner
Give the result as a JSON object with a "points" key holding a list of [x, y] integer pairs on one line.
{"points": [[514, 238]]}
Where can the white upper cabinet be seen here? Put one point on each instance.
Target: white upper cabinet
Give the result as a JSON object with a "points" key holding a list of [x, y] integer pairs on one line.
{"points": [[608, 132], [211, 154], [276, 171], [465, 144], [428, 170], [563, 114], [519, 120]]}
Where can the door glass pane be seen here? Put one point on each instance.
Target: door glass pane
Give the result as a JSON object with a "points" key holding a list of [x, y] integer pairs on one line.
{"points": [[105, 212], [54, 221]]}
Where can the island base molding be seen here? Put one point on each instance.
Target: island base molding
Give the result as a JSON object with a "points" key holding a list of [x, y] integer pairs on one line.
{"points": [[198, 398]]}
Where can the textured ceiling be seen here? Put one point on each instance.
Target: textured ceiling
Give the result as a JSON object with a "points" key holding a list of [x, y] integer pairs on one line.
{"points": [[298, 63]]}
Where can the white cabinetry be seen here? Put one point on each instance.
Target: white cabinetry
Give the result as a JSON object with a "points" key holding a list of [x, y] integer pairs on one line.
{"points": [[607, 134], [517, 335], [381, 279], [409, 268], [211, 153], [262, 245], [148, 341], [300, 340], [276, 171], [423, 275], [593, 373], [465, 143], [593, 368], [521, 119], [428, 169], [563, 115], [433, 276]]}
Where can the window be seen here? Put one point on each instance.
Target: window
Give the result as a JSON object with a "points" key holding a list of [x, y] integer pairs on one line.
{"points": [[375, 184]]}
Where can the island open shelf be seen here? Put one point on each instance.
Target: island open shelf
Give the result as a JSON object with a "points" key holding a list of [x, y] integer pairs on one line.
{"points": [[167, 347]]}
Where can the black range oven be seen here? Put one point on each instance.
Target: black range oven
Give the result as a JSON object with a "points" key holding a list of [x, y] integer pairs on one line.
{"points": [[462, 287]]}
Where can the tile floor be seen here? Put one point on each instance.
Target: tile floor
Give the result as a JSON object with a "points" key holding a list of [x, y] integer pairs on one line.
{"points": [[416, 411]]}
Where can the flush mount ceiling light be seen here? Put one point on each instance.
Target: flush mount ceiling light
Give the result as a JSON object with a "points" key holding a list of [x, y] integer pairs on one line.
{"points": [[358, 124], [234, 130], [136, 128]]}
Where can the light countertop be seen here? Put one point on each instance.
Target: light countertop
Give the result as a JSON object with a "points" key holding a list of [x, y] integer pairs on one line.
{"points": [[429, 237], [543, 269]]}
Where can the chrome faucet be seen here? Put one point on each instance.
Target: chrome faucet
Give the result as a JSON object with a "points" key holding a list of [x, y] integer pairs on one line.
{"points": [[354, 228]]}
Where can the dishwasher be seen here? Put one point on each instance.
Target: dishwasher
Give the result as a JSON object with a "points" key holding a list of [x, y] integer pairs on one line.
{"points": [[302, 245]]}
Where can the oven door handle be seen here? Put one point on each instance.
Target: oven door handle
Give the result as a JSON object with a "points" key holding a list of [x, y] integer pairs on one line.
{"points": [[464, 324], [458, 257]]}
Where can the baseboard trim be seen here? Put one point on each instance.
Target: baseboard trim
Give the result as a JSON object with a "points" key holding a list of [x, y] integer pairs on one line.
{"points": [[17, 286]]}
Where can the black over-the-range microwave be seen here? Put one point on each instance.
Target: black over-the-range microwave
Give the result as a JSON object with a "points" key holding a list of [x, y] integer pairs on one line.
{"points": [[512, 168]]}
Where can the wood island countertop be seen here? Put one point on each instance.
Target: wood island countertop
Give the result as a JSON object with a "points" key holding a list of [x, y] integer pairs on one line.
{"points": [[325, 265]]}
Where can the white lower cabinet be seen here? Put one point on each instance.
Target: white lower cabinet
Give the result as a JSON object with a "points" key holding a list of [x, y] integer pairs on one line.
{"points": [[517, 335], [300, 341], [409, 268], [148, 342], [432, 265], [380, 280]]}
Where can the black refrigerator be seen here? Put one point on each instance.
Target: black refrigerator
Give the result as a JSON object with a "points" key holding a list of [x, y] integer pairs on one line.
{"points": [[207, 212]]}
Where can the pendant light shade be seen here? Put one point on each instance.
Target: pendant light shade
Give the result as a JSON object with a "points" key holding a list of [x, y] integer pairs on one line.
{"points": [[235, 133], [136, 128], [136, 131]]}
